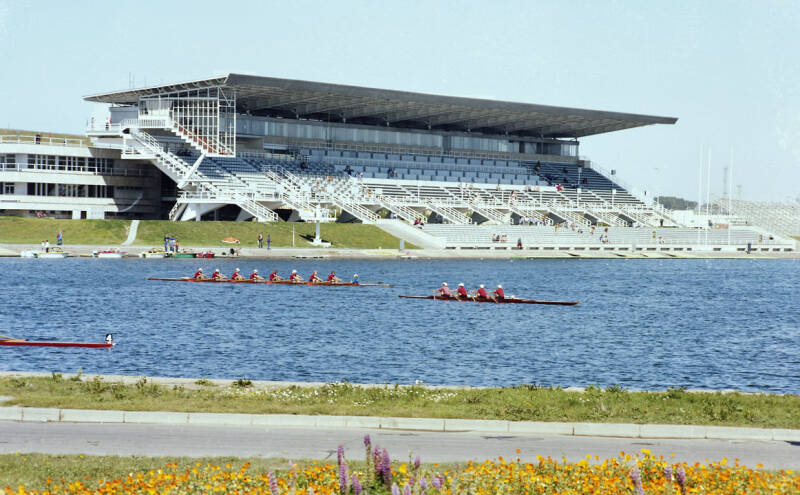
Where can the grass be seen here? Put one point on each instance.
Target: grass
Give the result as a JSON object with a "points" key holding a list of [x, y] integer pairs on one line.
{"points": [[343, 235], [18, 230], [33, 470], [526, 402]]}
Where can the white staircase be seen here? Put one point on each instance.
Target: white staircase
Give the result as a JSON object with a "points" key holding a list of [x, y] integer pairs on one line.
{"points": [[144, 145], [447, 209]]}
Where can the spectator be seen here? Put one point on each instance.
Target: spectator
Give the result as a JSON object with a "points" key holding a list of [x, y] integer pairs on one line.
{"points": [[260, 240], [519, 243], [269, 241], [59, 239]]}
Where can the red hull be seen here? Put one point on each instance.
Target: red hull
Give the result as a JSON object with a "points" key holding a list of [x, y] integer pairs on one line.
{"points": [[280, 282], [26, 343], [492, 301]]}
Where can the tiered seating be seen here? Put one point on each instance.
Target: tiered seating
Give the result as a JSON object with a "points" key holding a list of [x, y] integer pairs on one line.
{"points": [[783, 218], [482, 236]]}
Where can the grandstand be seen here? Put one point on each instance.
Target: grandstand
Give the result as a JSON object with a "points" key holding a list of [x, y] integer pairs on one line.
{"points": [[782, 218], [266, 149]]}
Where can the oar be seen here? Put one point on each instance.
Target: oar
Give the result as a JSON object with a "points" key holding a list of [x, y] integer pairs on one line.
{"points": [[11, 339]]}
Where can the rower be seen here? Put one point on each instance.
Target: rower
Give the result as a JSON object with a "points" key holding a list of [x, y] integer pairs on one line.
{"points": [[217, 275], [482, 292], [462, 291], [498, 293], [355, 279], [255, 275], [236, 275], [274, 277], [333, 278], [295, 277], [198, 275], [444, 290], [314, 278]]}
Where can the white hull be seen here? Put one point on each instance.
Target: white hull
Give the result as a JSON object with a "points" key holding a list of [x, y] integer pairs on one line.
{"points": [[52, 256], [109, 255], [153, 255]]}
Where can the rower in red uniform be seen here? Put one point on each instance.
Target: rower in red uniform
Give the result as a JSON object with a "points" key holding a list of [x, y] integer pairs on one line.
{"points": [[255, 275], [217, 275], [333, 278], [236, 275], [294, 277], [482, 293], [461, 292], [314, 278], [274, 277], [198, 275], [498, 293], [444, 290]]}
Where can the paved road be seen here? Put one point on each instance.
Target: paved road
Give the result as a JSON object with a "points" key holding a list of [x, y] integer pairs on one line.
{"points": [[296, 443]]}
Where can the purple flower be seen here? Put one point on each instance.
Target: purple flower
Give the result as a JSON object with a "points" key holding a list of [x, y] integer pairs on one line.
{"points": [[407, 489], [395, 490], [273, 483], [417, 462], [668, 473], [386, 468], [680, 476], [367, 441], [437, 482], [636, 477], [339, 455], [344, 476], [423, 483], [357, 489]]}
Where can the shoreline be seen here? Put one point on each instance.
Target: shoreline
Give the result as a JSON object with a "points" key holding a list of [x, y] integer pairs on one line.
{"points": [[85, 251], [191, 383]]}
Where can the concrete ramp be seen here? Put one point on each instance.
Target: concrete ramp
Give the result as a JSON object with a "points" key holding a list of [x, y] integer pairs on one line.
{"points": [[409, 233], [132, 233]]}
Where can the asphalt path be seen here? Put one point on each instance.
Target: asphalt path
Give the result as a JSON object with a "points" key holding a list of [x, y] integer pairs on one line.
{"points": [[303, 443]]}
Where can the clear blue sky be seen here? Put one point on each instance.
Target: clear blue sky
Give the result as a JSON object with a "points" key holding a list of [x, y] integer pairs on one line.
{"points": [[730, 71]]}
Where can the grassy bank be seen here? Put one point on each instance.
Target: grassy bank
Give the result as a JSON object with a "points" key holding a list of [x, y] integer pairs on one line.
{"points": [[16, 230], [345, 235], [529, 403]]}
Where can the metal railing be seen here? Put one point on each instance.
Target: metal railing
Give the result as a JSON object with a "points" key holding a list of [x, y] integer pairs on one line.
{"points": [[43, 140], [124, 172]]}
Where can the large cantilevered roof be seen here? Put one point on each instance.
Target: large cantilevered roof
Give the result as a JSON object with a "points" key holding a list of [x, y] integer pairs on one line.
{"points": [[289, 98]]}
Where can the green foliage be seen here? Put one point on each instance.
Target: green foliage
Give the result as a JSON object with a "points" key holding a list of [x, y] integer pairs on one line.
{"points": [[520, 403], [18, 230], [675, 203]]}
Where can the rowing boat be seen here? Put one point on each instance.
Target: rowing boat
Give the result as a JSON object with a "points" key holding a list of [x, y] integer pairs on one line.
{"points": [[278, 282], [507, 300], [28, 343]]}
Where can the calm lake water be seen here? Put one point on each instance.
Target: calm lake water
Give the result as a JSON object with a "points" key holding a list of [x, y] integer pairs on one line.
{"points": [[641, 324]]}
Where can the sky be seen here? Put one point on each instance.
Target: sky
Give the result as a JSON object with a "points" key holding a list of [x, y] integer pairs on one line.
{"points": [[728, 70]]}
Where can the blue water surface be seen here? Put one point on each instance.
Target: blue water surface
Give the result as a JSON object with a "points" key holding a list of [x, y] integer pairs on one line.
{"points": [[641, 324]]}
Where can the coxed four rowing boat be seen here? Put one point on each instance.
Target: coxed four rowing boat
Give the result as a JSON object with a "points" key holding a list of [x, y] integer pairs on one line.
{"points": [[278, 282], [507, 300]]}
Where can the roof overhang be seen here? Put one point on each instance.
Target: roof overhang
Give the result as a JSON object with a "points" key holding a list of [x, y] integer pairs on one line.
{"points": [[275, 97]]}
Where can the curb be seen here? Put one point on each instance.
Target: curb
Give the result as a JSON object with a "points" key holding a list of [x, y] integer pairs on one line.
{"points": [[620, 430]]}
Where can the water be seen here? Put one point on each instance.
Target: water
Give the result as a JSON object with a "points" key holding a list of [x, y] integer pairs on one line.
{"points": [[642, 324]]}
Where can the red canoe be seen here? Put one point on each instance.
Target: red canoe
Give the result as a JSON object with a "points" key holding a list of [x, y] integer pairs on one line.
{"points": [[507, 300], [27, 343]]}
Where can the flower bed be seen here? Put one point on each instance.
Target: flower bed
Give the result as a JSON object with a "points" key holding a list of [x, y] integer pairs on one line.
{"points": [[641, 473]]}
